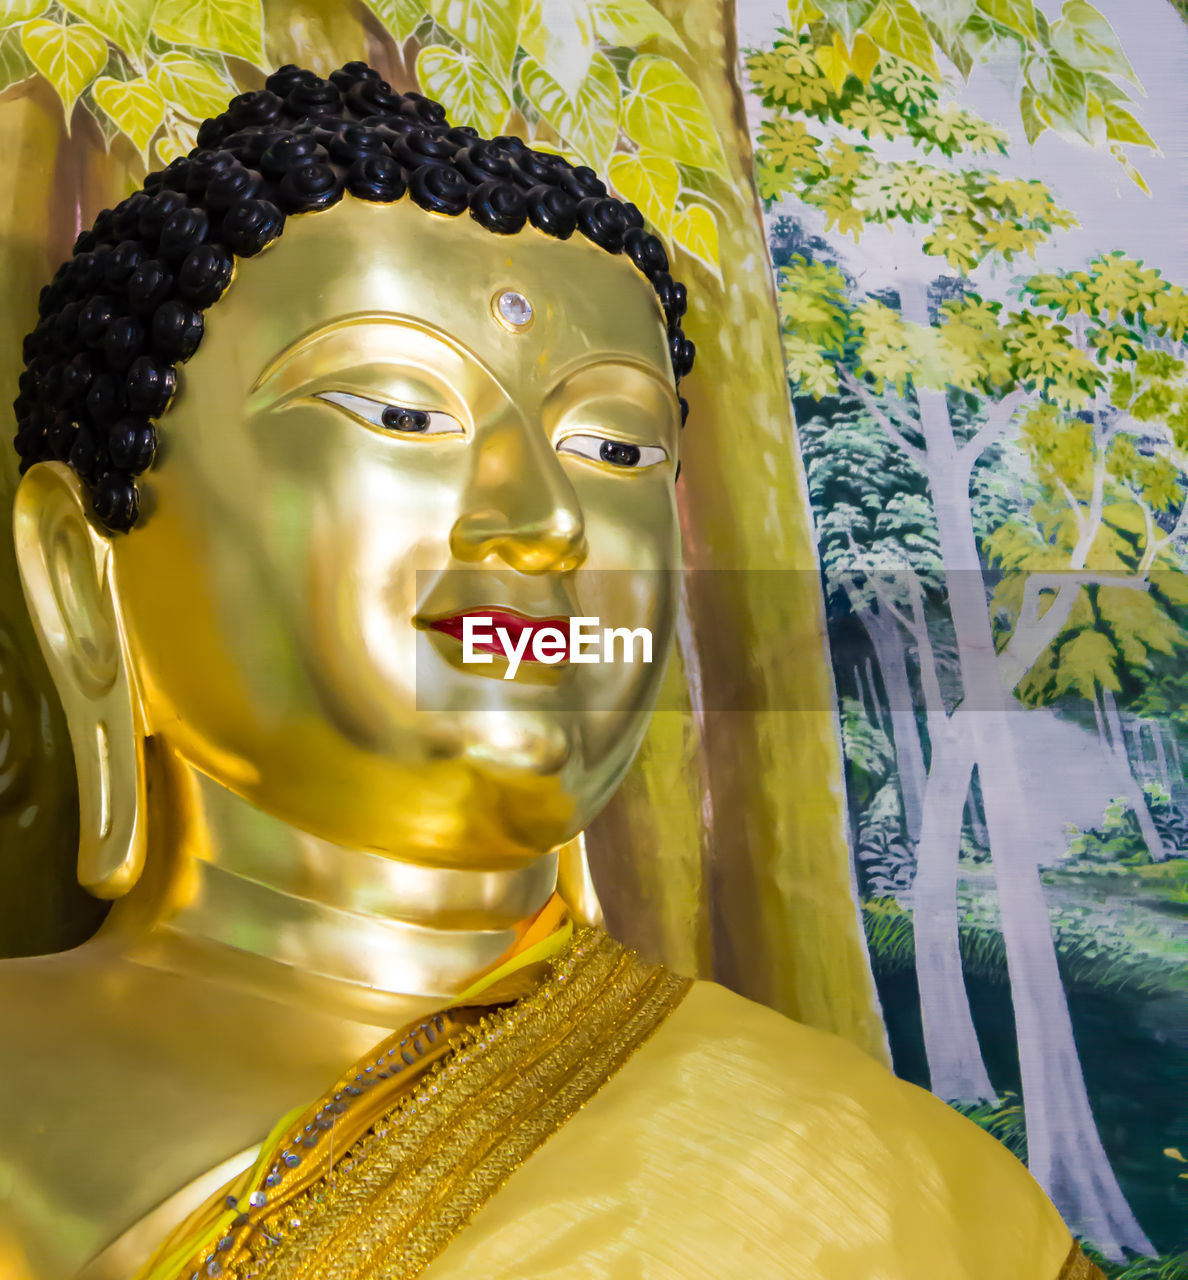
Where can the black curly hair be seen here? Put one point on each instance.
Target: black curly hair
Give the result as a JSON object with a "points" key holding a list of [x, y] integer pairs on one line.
{"points": [[120, 316]]}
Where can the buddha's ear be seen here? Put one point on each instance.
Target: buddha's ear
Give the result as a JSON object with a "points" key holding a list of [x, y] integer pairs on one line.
{"points": [[67, 571]]}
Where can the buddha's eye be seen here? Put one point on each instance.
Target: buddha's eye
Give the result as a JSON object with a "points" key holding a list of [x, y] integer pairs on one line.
{"points": [[394, 417], [618, 453]]}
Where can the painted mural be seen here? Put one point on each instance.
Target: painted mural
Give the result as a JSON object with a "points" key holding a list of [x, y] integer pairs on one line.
{"points": [[988, 361]]}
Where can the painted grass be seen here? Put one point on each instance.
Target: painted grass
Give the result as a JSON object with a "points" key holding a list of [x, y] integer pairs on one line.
{"points": [[1091, 957], [1172, 1266]]}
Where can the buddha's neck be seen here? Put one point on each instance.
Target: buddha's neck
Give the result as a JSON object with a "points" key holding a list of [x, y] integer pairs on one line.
{"points": [[244, 882]]}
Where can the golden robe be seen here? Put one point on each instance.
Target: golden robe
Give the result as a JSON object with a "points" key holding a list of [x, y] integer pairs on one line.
{"points": [[620, 1122]]}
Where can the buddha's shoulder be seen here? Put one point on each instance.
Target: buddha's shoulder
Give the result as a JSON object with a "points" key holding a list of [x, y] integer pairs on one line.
{"points": [[814, 1098]]}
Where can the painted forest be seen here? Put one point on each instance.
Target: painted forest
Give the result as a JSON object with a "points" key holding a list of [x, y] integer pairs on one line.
{"points": [[997, 457]]}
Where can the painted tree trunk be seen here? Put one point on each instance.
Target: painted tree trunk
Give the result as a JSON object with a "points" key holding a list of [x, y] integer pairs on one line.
{"points": [[956, 1070], [1065, 1152], [876, 704], [1160, 754], [887, 639], [1135, 795]]}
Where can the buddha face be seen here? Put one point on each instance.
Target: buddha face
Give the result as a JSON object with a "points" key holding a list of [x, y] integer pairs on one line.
{"points": [[372, 442]]}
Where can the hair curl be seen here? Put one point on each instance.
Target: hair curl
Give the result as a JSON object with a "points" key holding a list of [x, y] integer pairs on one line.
{"points": [[128, 307]]}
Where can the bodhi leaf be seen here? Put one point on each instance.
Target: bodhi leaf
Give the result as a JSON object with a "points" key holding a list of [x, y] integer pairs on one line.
{"points": [[589, 121], [1121, 126], [801, 13], [1089, 42], [14, 62], [649, 181], [665, 112], [463, 85], [695, 229], [234, 27], [949, 16], [134, 106], [124, 22], [1060, 91], [897, 27], [864, 57], [69, 57], [834, 61], [12, 11], [168, 148], [192, 87], [1032, 114], [559, 35], [628, 23], [399, 18], [489, 29], [848, 16], [1015, 15]]}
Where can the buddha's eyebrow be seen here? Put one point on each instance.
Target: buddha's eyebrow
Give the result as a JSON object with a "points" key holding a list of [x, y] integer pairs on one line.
{"points": [[351, 326]]}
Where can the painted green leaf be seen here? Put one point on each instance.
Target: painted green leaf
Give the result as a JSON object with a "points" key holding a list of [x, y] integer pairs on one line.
{"points": [[1061, 92], [953, 49], [189, 86], [489, 29], [168, 148], [897, 27], [847, 15], [69, 57], [1016, 15], [233, 27], [949, 16], [1121, 126], [559, 34], [400, 18], [589, 121], [695, 229], [1031, 113], [124, 22], [650, 182], [12, 11], [134, 106], [463, 85], [987, 40], [628, 23], [1089, 42], [14, 62], [666, 113]]}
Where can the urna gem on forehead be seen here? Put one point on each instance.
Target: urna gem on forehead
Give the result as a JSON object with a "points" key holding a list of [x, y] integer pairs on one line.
{"points": [[128, 307]]}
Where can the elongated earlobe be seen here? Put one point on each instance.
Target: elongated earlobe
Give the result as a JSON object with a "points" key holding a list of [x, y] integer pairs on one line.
{"points": [[67, 573]]}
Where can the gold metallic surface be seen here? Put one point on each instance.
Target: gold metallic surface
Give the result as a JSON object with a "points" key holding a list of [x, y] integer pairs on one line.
{"points": [[723, 853], [307, 844]]}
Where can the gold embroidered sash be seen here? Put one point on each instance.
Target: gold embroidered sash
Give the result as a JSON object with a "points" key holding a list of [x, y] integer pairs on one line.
{"points": [[1078, 1267], [352, 1189]]}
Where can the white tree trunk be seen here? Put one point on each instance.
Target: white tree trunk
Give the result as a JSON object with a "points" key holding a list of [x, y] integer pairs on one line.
{"points": [[1065, 1150], [956, 1069], [1135, 795]]}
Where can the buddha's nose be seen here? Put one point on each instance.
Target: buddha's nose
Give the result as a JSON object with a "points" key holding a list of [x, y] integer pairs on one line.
{"points": [[519, 504]]}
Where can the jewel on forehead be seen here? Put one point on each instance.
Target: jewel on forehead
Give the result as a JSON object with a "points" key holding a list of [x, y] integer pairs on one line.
{"points": [[513, 310]]}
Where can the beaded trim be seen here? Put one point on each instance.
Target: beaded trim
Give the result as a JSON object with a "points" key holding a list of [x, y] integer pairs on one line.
{"points": [[401, 1189], [1078, 1267]]}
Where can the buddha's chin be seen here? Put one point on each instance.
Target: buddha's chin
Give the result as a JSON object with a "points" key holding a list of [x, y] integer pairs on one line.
{"points": [[509, 743]]}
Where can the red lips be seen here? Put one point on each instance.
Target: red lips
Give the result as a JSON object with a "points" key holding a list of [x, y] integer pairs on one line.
{"points": [[514, 624]]}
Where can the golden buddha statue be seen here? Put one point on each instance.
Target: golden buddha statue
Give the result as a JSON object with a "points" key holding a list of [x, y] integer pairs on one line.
{"points": [[351, 1013]]}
